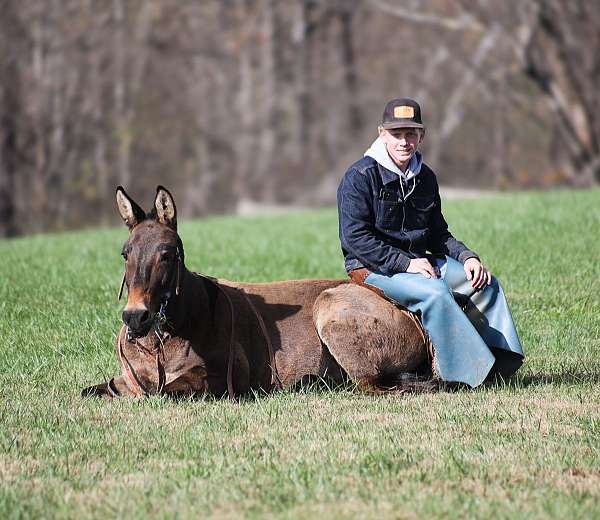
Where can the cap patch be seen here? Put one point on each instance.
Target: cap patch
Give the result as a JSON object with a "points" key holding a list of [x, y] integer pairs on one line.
{"points": [[404, 112]]}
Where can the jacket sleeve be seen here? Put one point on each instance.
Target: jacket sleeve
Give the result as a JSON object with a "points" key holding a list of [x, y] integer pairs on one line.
{"points": [[357, 227], [440, 240]]}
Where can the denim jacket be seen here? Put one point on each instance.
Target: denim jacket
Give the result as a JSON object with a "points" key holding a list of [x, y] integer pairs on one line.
{"points": [[381, 230]]}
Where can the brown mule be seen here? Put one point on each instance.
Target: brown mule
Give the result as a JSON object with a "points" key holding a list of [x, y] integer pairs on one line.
{"points": [[185, 333]]}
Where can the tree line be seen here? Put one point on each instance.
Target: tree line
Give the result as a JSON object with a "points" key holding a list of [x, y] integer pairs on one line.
{"points": [[228, 102]]}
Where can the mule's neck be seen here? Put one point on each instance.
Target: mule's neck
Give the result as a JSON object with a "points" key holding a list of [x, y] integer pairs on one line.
{"points": [[190, 309]]}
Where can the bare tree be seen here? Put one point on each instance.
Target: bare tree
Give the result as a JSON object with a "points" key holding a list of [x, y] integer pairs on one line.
{"points": [[267, 102], [11, 36], [130, 60], [555, 43], [560, 54]]}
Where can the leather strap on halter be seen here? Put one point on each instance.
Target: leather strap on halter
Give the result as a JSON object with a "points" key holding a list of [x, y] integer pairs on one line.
{"points": [[180, 266], [122, 285]]}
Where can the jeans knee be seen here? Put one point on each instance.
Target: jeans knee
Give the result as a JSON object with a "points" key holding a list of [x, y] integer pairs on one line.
{"points": [[437, 289], [494, 286]]}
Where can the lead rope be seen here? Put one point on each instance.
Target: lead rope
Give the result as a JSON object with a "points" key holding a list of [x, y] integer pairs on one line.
{"points": [[137, 387], [160, 368], [122, 285], [230, 388], [274, 374]]}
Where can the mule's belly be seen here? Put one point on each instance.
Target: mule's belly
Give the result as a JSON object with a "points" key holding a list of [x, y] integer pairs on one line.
{"points": [[287, 310]]}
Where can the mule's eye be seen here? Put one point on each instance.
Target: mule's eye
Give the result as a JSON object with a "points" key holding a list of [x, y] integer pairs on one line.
{"points": [[165, 256]]}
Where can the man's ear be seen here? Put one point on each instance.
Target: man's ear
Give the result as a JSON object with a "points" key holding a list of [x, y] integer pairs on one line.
{"points": [[130, 212], [422, 135], [381, 131], [166, 211]]}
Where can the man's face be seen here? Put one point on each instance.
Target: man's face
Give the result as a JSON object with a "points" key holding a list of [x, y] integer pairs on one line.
{"points": [[401, 143]]}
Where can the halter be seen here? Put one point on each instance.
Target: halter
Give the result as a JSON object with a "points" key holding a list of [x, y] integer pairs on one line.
{"points": [[159, 323]]}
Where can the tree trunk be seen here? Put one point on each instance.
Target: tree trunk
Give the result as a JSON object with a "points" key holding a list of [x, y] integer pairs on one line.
{"points": [[304, 28], [356, 119], [11, 32], [245, 106], [267, 181]]}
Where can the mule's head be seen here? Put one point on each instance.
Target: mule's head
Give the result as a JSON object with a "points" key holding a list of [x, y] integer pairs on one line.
{"points": [[153, 256]]}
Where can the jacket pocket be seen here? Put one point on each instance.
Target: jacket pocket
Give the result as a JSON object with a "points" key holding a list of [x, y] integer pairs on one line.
{"points": [[420, 210], [389, 214]]}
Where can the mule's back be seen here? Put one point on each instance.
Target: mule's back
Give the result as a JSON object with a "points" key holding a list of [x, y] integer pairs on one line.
{"points": [[332, 327], [287, 310]]}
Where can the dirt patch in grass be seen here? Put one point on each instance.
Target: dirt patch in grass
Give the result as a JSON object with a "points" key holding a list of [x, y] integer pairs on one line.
{"points": [[578, 480]]}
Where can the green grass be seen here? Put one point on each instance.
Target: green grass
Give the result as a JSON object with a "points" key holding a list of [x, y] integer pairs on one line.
{"points": [[529, 447]]}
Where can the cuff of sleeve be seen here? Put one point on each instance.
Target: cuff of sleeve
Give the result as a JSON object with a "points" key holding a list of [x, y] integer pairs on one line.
{"points": [[466, 254], [402, 263]]}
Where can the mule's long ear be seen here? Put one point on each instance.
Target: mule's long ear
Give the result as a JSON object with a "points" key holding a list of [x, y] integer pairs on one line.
{"points": [[130, 212], [166, 212]]}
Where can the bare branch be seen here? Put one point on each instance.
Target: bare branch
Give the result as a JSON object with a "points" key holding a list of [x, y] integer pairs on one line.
{"points": [[464, 22], [454, 109]]}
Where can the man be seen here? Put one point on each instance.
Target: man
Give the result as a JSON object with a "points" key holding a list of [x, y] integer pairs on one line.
{"points": [[389, 219]]}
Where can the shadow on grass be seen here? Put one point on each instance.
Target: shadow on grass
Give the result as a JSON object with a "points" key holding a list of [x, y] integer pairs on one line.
{"points": [[573, 374], [568, 374], [567, 377]]}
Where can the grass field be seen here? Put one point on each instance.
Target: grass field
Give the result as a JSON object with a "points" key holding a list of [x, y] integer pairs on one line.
{"points": [[526, 448]]}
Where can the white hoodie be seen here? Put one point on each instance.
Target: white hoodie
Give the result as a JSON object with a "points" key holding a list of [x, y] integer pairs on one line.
{"points": [[379, 152]]}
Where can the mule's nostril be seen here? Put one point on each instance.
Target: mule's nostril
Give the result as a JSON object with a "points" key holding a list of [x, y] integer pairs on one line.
{"points": [[137, 320], [144, 317], [127, 317]]}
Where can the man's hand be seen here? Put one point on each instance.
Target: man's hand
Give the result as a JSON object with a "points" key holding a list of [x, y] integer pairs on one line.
{"points": [[421, 266], [476, 272]]}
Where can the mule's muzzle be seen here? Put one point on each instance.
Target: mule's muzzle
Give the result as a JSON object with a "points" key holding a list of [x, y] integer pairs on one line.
{"points": [[138, 321]]}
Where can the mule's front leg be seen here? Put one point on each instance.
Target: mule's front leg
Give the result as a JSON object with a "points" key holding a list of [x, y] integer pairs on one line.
{"points": [[116, 387]]}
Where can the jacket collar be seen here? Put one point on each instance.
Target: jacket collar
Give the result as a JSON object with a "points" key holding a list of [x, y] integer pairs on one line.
{"points": [[387, 176]]}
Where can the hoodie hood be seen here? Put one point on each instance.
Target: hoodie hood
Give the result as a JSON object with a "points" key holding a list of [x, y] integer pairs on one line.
{"points": [[378, 151]]}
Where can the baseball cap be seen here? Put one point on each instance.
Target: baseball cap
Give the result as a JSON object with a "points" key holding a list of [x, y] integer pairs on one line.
{"points": [[402, 113]]}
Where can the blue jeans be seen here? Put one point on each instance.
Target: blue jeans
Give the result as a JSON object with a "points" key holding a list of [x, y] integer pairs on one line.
{"points": [[469, 344]]}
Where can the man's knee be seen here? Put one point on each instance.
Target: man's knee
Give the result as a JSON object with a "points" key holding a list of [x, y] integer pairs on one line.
{"points": [[494, 286], [436, 289]]}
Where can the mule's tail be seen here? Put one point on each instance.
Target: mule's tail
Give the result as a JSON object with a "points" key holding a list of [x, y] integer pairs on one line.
{"points": [[389, 380]]}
